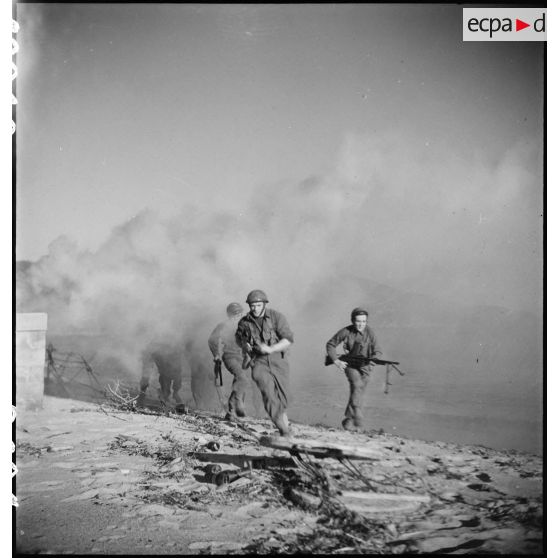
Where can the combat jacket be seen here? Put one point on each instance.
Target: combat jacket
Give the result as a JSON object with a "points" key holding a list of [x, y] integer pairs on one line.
{"points": [[268, 330], [354, 342], [222, 341]]}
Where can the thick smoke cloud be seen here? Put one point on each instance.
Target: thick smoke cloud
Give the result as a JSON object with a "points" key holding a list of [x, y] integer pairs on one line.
{"points": [[423, 236]]}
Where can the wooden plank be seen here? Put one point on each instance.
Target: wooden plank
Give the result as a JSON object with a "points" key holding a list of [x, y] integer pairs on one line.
{"points": [[319, 448], [370, 503]]}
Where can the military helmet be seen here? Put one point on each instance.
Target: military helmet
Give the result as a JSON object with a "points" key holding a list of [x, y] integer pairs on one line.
{"points": [[234, 308], [358, 312], [256, 296]]}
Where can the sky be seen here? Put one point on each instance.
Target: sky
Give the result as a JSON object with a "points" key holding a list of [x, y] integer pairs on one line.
{"points": [[185, 152]]}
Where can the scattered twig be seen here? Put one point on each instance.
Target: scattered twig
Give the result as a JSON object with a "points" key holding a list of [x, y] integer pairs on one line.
{"points": [[361, 541], [123, 400]]}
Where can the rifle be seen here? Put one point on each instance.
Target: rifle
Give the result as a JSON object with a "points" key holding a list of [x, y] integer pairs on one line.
{"points": [[244, 335], [356, 361]]}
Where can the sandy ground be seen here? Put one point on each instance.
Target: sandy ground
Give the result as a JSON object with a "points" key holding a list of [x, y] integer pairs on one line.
{"points": [[100, 480]]}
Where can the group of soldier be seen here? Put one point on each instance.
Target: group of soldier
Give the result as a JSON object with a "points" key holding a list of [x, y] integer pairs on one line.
{"points": [[258, 342]]}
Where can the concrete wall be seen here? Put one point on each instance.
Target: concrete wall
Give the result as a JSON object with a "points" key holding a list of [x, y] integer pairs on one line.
{"points": [[30, 360]]}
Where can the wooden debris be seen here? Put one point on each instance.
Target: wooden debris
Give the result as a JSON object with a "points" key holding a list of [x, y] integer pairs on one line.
{"points": [[370, 503], [319, 448]]}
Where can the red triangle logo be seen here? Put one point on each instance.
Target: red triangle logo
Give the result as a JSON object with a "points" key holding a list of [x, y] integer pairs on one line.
{"points": [[519, 25]]}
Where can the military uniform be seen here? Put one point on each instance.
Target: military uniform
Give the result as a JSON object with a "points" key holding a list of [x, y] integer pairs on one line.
{"points": [[222, 344], [269, 371], [356, 344]]}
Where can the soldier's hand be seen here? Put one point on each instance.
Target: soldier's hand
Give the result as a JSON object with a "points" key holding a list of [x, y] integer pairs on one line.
{"points": [[247, 348], [340, 364], [264, 349]]}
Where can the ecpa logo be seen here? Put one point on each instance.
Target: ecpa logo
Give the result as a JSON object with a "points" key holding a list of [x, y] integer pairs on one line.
{"points": [[504, 24]]}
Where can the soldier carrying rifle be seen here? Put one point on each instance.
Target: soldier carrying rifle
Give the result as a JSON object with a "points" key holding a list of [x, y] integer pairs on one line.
{"points": [[361, 353]]}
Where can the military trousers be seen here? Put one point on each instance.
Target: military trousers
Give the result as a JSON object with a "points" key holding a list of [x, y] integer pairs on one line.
{"points": [[271, 374], [167, 384], [358, 380], [170, 382], [240, 385]]}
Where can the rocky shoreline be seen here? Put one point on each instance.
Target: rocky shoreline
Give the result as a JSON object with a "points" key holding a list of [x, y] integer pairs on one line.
{"points": [[97, 479]]}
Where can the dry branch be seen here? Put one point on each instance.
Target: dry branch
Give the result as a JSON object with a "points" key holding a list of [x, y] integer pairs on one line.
{"points": [[120, 398]]}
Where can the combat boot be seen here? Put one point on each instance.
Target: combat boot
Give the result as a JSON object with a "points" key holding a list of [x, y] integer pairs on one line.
{"points": [[348, 425], [233, 417], [282, 424]]}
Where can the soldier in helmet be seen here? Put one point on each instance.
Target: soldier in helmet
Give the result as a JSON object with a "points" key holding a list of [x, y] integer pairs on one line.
{"points": [[359, 343], [265, 334], [223, 347]]}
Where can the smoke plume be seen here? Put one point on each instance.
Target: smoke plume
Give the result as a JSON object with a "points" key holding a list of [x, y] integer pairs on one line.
{"points": [[444, 248]]}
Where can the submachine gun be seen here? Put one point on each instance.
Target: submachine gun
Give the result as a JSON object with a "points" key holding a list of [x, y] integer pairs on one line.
{"points": [[357, 361], [246, 338]]}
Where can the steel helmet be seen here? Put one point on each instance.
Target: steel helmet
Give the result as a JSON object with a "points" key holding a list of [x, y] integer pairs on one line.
{"points": [[256, 296], [358, 312], [234, 308]]}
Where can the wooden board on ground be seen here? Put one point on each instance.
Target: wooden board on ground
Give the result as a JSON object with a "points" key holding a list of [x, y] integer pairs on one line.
{"points": [[319, 448], [371, 503]]}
